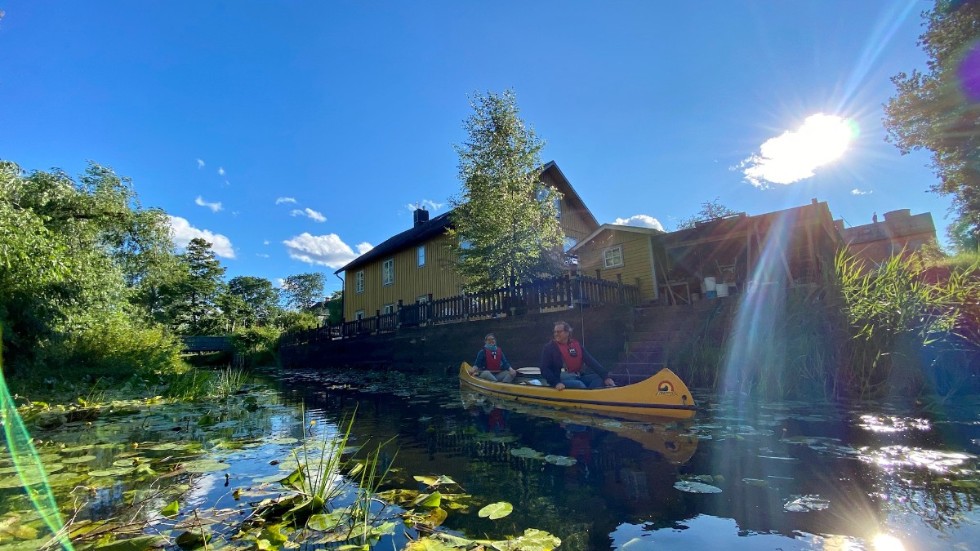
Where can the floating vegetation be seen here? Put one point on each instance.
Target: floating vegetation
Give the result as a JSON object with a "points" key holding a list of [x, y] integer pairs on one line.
{"points": [[806, 504], [693, 487], [757, 482], [526, 453], [560, 460]]}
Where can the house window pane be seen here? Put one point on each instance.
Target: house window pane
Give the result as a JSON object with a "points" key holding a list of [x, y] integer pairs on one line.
{"points": [[388, 309], [359, 315], [421, 255], [359, 282], [388, 272], [612, 257]]}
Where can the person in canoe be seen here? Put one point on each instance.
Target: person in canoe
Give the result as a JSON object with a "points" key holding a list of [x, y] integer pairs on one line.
{"points": [[566, 364], [491, 364]]}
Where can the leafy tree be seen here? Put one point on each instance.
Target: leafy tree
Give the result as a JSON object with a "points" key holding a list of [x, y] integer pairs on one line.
{"points": [[249, 301], [710, 210], [505, 224], [197, 293], [939, 109], [71, 253], [302, 291]]}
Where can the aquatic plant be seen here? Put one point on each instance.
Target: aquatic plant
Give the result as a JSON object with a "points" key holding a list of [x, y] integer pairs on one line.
{"points": [[228, 381]]}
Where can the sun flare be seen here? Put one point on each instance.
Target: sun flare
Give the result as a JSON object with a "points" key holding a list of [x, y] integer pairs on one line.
{"points": [[794, 155]]}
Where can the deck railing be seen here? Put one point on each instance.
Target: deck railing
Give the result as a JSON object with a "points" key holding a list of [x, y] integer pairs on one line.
{"points": [[538, 296]]}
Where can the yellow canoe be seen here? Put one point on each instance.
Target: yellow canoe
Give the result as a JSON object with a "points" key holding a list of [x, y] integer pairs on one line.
{"points": [[672, 439], [662, 395]]}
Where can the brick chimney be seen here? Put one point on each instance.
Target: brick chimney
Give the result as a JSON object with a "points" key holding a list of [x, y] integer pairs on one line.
{"points": [[421, 216]]}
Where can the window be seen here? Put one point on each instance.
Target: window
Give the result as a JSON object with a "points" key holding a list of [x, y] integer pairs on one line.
{"points": [[558, 207], [422, 299], [388, 272], [359, 282], [569, 243], [420, 253], [359, 315], [542, 195], [388, 309], [612, 257]]}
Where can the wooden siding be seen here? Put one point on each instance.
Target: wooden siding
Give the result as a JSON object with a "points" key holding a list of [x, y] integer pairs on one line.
{"points": [[637, 268], [437, 278]]}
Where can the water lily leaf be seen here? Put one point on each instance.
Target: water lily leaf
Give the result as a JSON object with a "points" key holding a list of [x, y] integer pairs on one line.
{"points": [[428, 543], [171, 509], [205, 466], [696, 487], [560, 460], [79, 459], [325, 522], [496, 510], [273, 533], [192, 539], [531, 540], [435, 517], [527, 453], [139, 543], [428, 500], [117, 472], [805, 504]]}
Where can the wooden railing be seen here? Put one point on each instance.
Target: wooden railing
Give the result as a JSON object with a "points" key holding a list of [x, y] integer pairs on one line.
{"points": [[538, 296]]}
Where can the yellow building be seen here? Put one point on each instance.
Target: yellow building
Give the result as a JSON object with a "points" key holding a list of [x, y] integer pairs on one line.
{"points": [[417, 265]]}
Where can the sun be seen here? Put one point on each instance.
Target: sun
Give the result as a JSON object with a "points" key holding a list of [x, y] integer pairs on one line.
{"points": [[795, 154]]}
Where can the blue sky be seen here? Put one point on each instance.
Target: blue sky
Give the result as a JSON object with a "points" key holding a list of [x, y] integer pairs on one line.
{"points": [[296, 134]]}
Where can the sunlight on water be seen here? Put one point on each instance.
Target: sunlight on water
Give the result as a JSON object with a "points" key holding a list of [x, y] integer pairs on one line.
{"points": [[892, 458], [890, 424], [885, 542]]}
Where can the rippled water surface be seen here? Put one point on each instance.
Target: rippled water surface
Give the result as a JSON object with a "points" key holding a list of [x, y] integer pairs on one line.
{"points": [[741, 475]]}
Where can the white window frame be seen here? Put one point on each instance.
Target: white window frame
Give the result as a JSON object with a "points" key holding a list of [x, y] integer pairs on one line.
{"points": [[359, 281], [609, 257], [388, 272], [388, 308], [420, 255], [359, 315]]}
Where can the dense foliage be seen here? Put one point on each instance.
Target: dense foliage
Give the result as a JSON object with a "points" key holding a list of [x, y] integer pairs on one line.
{"points": [[506, 225], [76, 258], [91, 284], [939, 110]]}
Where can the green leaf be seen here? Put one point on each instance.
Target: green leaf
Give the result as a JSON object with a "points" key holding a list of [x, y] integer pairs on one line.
{"points": [[496, 510], [428, 500], [171, 509]]}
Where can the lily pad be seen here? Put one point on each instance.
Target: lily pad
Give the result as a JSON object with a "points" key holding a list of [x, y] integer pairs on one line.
{"points": [[805, 504], [560, 460], [526, 453], [496, 510], [692, 487], [205, 466]]}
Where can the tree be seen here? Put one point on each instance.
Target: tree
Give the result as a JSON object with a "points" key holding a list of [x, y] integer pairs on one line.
{"points": [[302, 291], [505, 224], [249, 301], [710, 210], [939, 110], [198, 292]]}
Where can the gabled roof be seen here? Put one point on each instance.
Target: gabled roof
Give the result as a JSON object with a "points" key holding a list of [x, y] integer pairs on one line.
{"points": [[419, 234], [614, 227], [439, 224]]}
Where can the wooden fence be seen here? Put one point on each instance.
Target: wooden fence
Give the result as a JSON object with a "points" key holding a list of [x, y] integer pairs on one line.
{"points": [[539, 296]]}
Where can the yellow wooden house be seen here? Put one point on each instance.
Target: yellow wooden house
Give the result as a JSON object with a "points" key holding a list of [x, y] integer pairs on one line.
{"points": [[417, 265]]}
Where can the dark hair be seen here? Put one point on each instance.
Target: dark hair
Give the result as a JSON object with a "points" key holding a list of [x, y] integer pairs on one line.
{"points": [[564, 325]]}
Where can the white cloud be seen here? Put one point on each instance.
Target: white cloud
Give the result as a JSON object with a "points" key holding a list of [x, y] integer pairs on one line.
{"points": [[183, 232], [309, 213], [221, 171], [200, 164], [427, 204], [281, 200], [326, 250], [266, 242], [640, 221], [261, 255], [857, 191], [795, 155], [215, 207]]}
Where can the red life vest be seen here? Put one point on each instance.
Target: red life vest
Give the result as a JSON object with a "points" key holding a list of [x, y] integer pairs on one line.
{"points": [[571, 355], [493, 359]]}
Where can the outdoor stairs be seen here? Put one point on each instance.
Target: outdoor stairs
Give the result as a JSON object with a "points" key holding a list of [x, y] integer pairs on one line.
{"points": [[657, 330]]}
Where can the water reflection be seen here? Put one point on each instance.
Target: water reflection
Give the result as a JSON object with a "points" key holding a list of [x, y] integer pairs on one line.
{"points": [[791, 475]]}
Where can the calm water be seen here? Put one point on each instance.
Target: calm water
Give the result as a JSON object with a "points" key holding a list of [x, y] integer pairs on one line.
{"points": [[739, 476], [791, 475]]}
